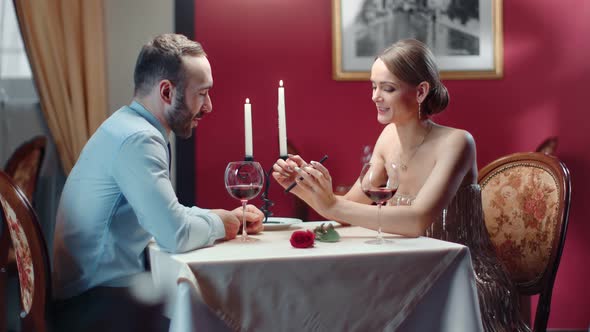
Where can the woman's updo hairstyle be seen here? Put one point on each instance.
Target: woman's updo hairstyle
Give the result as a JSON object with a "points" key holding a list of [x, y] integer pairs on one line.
{"points": [[412, 62]]}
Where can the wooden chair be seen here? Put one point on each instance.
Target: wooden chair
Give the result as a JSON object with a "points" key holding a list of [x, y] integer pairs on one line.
{"points": [[20, 223], [4, 246], [548, 146], [526, 200], [25, 164]]}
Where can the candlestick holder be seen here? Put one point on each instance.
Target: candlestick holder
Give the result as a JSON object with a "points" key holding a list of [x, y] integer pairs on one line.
{"points": [[268, 203]]}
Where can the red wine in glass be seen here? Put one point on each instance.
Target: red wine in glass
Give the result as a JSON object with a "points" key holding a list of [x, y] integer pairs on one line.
{"points": [[244, 191], [380, 195], [379, 181], [243, 181]]}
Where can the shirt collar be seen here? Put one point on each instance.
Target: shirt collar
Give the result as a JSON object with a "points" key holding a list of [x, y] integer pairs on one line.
{"points": [[141, 110]]}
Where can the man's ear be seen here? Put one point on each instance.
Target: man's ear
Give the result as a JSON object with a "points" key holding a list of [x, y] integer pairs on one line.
{"points": [[166, 91], [422, 91]]}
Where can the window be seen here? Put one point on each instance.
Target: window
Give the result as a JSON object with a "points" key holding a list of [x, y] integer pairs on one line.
{"points": [[13, 57], [15, 72]]}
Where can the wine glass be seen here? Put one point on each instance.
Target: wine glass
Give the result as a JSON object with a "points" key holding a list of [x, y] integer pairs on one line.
{"points": [[243, 181], [379, 182]]}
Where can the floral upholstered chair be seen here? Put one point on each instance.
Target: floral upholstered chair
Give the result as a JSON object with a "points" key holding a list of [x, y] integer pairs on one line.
{"points": [[25, 163], [4, 245], [19, 221], [526, 199], [23, 167]]}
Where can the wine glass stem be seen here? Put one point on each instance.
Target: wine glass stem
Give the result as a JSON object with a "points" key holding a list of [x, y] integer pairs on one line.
{"points": [[244, 231], [379, 236]]}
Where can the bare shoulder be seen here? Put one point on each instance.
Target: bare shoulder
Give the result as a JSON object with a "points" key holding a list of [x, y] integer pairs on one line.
{"points": [[460, 137], [453, 139], [388, 130], [452, 136], [385, 138]]}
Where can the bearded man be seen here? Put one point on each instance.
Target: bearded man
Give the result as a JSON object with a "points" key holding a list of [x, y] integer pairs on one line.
{"points": [[119, 195]]}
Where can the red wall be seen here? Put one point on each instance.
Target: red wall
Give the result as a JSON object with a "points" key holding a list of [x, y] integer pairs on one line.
{"points": [[253, 44]]}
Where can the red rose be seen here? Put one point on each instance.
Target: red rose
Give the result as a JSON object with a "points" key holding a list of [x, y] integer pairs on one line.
{"points": [[302, 239]]}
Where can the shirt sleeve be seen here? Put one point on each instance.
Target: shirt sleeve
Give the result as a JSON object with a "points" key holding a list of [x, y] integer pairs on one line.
{"points": [[141, 170]]}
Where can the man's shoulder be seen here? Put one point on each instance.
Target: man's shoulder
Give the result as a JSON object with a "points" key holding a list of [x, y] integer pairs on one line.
{"points": [[123, 127], [125, 123]]}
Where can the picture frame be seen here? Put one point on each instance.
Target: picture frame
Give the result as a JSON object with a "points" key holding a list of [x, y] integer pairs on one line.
{"points": [[464, 35]]}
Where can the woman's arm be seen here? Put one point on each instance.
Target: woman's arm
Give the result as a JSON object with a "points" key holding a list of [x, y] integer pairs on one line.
{"points": [[454, 158]]}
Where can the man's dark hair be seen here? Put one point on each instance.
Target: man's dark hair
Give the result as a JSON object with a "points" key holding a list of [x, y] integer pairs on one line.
{"points": [[161, 59]]}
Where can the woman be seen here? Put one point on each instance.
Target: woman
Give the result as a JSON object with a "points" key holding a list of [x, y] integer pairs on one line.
{"points": [[437, 169]]}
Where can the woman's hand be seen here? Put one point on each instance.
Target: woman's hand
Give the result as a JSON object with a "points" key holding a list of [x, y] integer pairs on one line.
{"points": [[315, 183], [284, 170]]}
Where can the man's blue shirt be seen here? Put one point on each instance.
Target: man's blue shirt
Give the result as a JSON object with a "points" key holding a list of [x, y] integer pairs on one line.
{"points": [[117, 196]]}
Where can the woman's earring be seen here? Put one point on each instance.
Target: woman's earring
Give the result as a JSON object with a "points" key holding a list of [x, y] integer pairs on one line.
{"points": [[419, 111]]}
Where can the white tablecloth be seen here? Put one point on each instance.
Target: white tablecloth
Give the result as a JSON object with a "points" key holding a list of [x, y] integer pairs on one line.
{"points": [[417, 284]]}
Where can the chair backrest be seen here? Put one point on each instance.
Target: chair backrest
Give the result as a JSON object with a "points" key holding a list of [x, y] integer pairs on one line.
{"points": [[548, 146], [4, 247], [526, 199], [25, 163], [19, 218]]}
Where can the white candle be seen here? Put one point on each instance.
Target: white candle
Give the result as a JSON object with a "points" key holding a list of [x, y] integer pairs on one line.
{"points": [[248, 128], [282, 122]]}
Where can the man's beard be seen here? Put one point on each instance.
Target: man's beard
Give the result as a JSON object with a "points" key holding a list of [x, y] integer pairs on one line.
{"points": [[179, 117]]}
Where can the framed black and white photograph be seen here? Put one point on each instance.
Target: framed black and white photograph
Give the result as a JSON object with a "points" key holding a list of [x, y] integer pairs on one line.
{"points": [[464, 35]]}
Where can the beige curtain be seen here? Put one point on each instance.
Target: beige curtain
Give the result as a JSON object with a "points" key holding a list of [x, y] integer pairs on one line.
{"points": [[66, 48]]}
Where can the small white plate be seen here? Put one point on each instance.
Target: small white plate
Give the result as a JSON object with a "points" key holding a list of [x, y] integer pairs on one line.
{"points": [[278, 223]]}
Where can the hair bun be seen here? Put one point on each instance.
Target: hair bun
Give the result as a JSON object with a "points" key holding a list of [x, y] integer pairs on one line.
{"points": [[437, 100]]}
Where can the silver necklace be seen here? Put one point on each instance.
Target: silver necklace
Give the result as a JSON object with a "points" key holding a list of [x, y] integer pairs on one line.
{"points": [[404, 165]]}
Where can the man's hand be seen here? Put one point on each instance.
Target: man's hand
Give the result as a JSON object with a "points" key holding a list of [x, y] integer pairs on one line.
{"points": [[231, 222], [253, 216]]}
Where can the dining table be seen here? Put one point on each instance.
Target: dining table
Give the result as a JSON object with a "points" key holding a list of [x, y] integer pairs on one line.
{"points": [[410, 284]]}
